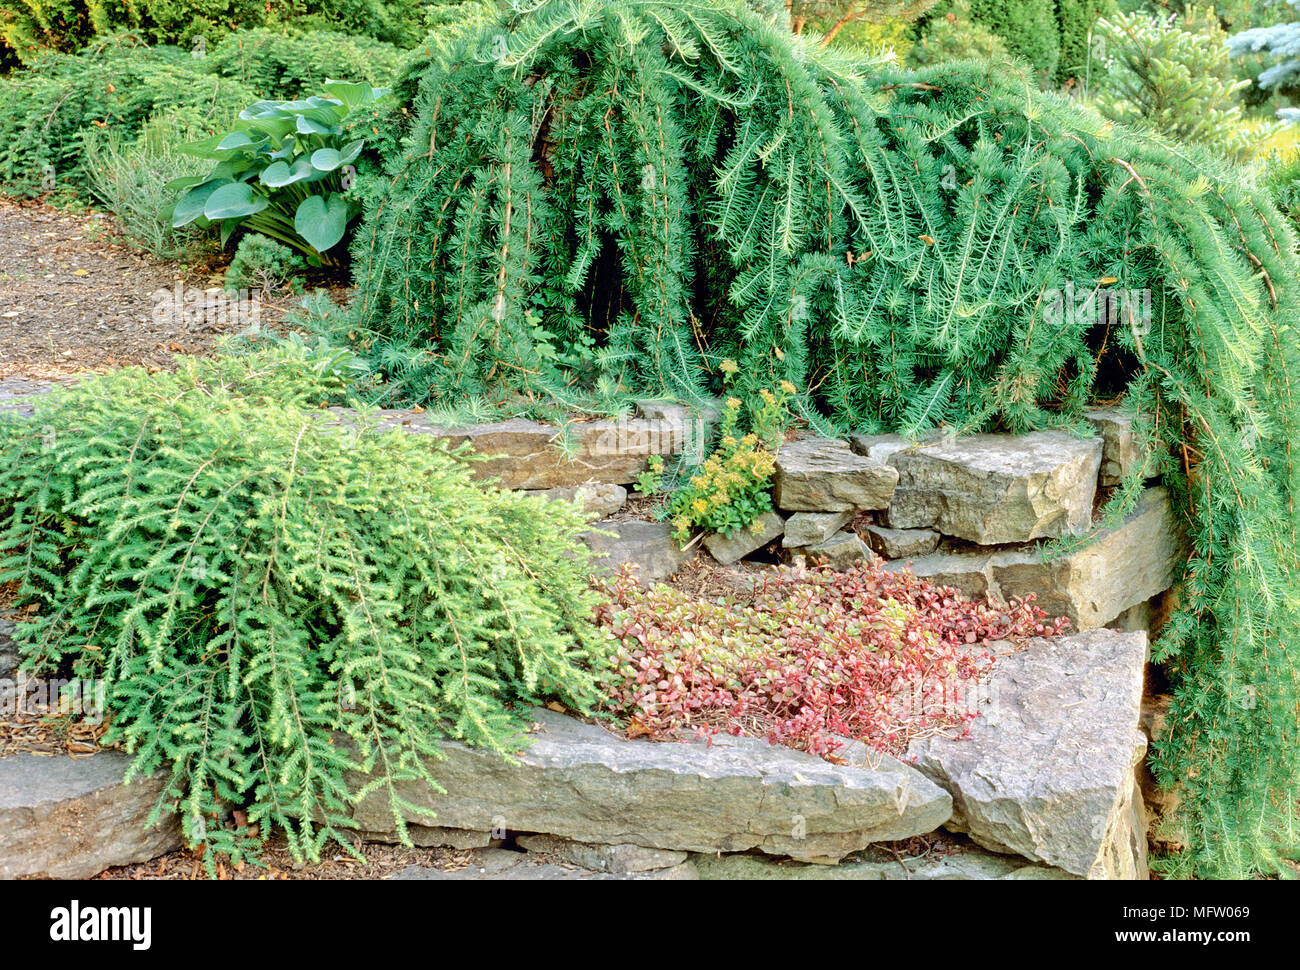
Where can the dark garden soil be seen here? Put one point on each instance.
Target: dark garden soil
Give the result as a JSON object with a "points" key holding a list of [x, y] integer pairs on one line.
{"points": [[75, 297]]}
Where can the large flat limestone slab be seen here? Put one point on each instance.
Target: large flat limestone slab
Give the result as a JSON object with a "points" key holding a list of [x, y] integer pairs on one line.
{"points": [[581, 782], [1121, 567], [997, 488], [529, 454], [1049, 770], [71, 818]]}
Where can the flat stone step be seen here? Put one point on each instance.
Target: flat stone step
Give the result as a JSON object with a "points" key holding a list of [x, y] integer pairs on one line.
{"points": [[948, 861], [579, 781], [1122, 567], [487, 865], [17, 395], [71, 818], [1049, 770]]}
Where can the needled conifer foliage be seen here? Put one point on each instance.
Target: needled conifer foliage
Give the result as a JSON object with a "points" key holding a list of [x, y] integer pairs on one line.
{"points": [[279, 605], [682, 183]]}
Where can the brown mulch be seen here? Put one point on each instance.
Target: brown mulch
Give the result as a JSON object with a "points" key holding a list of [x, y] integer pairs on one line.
{"points": [[76, 297], [279, 864]]}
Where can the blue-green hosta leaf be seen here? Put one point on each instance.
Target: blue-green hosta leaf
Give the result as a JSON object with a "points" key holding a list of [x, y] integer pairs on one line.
{"points": [[238, 139], [191, 204], [286, 150], [308, 126], [351, 150], [281, 173], [322, 220], [351, 93], [325, 159], [328, 159], [264, 109], [234, 201], [276, 127]]}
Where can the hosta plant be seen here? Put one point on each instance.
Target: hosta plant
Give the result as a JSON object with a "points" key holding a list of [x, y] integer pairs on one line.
{"points": [[806, 659], [283, 171]]}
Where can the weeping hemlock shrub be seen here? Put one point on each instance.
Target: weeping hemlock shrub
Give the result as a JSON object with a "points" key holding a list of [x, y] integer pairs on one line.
{"points": [[255, 587], [690, 183]]}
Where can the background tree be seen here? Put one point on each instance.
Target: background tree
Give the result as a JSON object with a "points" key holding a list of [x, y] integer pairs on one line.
{"points": [[1174, 74], [1028, 27], [951, 34], [1075, 21], [834, 15], [1281, 44]]}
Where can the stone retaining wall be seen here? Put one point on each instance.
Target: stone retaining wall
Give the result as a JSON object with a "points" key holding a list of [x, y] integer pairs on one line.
{"points": [[1046, 787]]}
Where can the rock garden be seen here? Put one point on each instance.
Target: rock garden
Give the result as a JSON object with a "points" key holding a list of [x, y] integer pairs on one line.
{"points": [[619, 441]]}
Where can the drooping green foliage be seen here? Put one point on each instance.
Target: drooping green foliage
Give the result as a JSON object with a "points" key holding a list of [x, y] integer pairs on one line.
{"points": [[684, 183], [273, 602]]}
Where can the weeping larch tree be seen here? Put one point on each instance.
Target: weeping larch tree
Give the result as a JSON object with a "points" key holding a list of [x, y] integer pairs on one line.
{"points": [[678, 183]]}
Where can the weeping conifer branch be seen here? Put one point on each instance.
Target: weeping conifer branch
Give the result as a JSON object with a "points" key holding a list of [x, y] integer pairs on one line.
{"points": [[700, 184]]}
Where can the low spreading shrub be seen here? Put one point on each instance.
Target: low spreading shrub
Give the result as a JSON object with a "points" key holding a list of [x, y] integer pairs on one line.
{"points": [[117, 85], [811, 657], [256, 586]]}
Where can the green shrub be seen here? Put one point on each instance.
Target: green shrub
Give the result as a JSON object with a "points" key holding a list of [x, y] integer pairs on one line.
{"points": [[33, 26], [1027, 27], [116, 85], [283, 171], [1282, 177], [1174, 74], [255, 586], [954, 36], [897, 247], [262, 264], [1076, 21], [131, 179], [296, 65]]}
